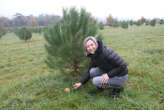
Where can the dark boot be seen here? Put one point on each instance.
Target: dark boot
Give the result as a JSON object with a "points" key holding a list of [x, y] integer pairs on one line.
{"points": [[96, 91], [117, 91]]}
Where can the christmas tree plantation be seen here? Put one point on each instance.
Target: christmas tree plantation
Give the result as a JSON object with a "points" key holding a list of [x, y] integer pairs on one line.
{"points": [[65, 41]]}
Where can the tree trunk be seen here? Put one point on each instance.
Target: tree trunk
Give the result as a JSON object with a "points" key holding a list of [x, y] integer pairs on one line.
{"points": [[75, 67]]}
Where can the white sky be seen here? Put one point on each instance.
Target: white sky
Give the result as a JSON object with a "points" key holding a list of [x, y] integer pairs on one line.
{"points": [[123, 9]]}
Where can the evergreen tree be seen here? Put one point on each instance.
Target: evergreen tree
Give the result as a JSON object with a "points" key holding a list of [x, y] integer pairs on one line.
{"points": [[153, 22], [101, 26], [124, 24], [161, 21], [65, 41], [23, 34], [114, 23], [2, 32], [131, 22], [147, 22], [138, 23]]}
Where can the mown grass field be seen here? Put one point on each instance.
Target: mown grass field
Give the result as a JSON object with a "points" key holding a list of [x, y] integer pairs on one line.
{"points": [[26, 83]]}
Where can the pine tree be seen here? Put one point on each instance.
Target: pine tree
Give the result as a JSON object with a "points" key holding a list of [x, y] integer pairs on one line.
{"points": [[124, 24], [65, 41], [161, 21], [101, 26], [153, 22], [23, 34], [2, 32]]}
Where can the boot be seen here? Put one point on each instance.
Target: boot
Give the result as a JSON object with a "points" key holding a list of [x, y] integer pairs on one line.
{"points": [[117, 91], [96, 91]]}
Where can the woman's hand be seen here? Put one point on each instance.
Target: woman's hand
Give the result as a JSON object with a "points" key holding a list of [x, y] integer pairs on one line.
{"points": [[77, 85], [105, 78]]}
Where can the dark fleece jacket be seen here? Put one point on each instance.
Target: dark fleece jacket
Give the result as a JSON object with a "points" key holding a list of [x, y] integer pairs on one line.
{"points": [[107, 60]]}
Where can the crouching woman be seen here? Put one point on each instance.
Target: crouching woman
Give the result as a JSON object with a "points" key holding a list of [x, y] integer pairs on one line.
{"points": [[107, 68]]}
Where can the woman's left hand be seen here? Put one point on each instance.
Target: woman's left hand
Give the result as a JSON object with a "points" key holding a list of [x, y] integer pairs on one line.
{"points": [[105, 78]]}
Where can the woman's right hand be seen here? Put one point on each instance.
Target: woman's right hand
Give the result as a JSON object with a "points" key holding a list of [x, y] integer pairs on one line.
{"points": [[77, 85]]}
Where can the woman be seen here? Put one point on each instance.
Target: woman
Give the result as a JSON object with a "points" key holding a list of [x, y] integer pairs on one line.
{"points": [[107, 68]]}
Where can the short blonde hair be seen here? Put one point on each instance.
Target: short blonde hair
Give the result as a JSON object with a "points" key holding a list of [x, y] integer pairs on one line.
{"points": [[86, 40]]}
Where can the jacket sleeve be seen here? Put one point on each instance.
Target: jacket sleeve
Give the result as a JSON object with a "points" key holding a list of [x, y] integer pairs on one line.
{"points": [[86, 76], [116, 71], [116, 61]]}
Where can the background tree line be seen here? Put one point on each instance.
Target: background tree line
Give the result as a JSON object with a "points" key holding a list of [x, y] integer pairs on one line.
{"points": [[114, 22], [37, 24], [21, 25], [20, 20]]}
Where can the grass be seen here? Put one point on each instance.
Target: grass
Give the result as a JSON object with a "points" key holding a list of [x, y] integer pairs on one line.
{"points": [[26, 83]]}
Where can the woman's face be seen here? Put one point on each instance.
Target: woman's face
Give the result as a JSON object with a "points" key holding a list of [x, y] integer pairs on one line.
{"points": [[91, 47]]}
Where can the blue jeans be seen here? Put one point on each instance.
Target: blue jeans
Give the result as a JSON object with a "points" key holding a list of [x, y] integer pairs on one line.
{"points": [[96, 73]]}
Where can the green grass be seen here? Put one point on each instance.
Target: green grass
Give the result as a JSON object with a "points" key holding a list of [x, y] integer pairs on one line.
{"points": [[26, 83]]}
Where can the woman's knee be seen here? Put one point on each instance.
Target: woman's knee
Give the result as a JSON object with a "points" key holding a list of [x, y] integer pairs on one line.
{"points": [[95, 72], [97, 81], [118, 81], [92, 70]]}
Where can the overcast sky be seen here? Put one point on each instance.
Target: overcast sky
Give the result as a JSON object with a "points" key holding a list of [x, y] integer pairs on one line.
{"points": [[123, 9]]}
